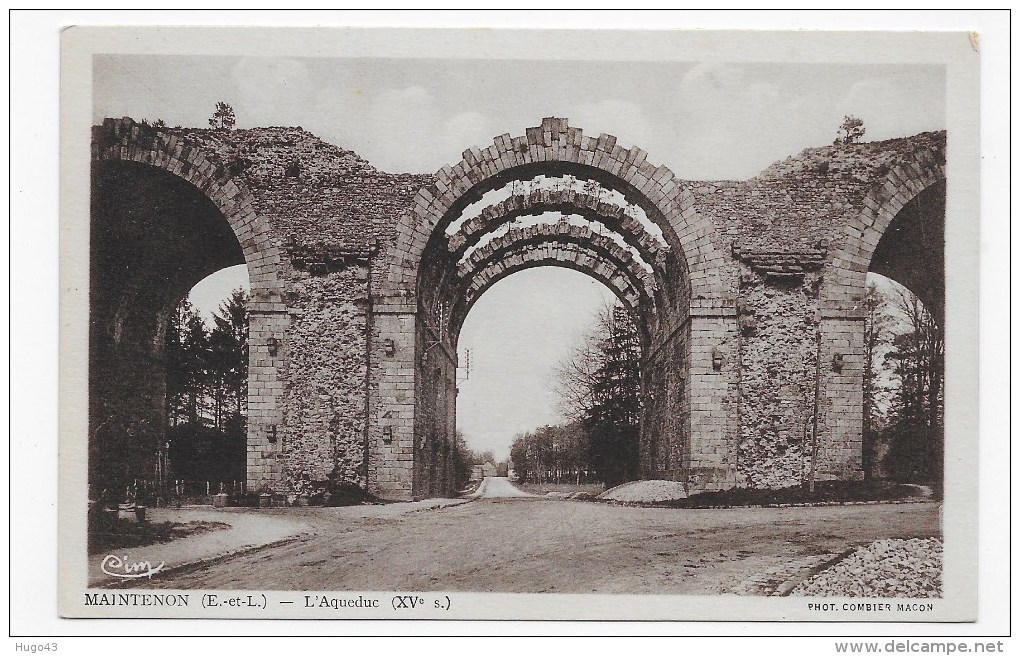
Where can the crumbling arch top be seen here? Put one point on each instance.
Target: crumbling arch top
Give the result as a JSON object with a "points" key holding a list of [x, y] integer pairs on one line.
{"points": [[554, 148], [557, 233], [884, 200], [564, 201]]}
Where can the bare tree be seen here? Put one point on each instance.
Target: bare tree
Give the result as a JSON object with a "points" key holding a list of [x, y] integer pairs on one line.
{"points": [[918, 360], [877, 333], [574, 378]]}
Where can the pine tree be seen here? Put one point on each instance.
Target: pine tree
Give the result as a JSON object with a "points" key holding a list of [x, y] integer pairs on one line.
{"points": [[207, 379], [612, 422], [187, 346], [851, 130], [223, 117], [599, 387], [228, 356]]}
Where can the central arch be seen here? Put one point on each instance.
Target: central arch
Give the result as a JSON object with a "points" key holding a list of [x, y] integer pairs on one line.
{"points": [[633, 227]]}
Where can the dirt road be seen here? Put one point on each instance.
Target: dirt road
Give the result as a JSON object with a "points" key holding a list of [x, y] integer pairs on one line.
{"points": [[495, 487], [538, 544]]}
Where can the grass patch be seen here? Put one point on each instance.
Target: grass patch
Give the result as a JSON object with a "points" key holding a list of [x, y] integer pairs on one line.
{"points": [[124, 533], [593, 489], [825, 492]]}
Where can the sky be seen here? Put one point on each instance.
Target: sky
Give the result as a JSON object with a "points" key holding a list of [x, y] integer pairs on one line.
{"points": [[706, 121]]}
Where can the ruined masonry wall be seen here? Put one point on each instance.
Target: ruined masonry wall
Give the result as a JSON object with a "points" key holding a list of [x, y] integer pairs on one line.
{"points": [[665, 423], [333, 218], [783, 227], [777, 372], [323, 431]]}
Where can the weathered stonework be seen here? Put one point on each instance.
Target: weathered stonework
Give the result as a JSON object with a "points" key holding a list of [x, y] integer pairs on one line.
{"points": [[325, 380], [747, 306], [779, 330]]}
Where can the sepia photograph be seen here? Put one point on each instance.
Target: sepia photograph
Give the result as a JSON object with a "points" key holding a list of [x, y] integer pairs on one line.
{"points": [[416, 324]]}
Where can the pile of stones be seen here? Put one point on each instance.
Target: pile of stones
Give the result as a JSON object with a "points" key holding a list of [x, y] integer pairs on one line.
{"points": [[646, 492], [886, 568]]}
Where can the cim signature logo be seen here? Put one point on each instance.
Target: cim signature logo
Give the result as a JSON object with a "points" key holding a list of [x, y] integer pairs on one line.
{"points": [[124, 568]]}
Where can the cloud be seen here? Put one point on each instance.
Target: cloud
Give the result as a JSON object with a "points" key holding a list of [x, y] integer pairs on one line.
{"points": [[393, 128], [728, 119], [623, 119], [713, 79], [403, 129], [402, 126], [271, 91], [894, 107], [463, 131]]}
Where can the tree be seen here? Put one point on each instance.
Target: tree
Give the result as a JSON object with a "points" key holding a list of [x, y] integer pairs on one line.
{"points": [[485, 456], [877, 333], [574, 378], [520, 456], [851, 130], [223, 117], [207, 389], [462, 461], [916, 425], [552, 453], [228, 356], [599, 387], [187, 355], [612, 423]]}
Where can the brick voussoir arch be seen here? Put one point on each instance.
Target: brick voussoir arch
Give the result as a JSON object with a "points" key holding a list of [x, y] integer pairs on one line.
{"points": [[573, 257], [559, 235], [569, 256], [556, 146], [561, 230], [125, 140], [883, 201], [565, 201]]}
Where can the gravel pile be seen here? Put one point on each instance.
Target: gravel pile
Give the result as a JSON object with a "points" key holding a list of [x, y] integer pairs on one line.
{"points": [[646, 491], [887, 568]]}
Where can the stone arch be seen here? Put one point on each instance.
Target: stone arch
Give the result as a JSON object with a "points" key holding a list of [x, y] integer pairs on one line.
{"points": [[566, 201], [577, 257], [687, 320], [554, 146], [556, 234], [125, 140], [179, 158], [882, 203], [841, 330]]}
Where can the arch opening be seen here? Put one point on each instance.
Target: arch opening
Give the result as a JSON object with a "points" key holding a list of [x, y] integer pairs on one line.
{"points": [[899, 234], [207, 385], [625, 285], [904, 344], [536, 338], [157, 230], [912, 248], [628, 225]]}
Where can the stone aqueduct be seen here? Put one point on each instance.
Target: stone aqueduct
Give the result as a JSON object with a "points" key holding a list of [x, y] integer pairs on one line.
{"points": [[747, 294]]}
